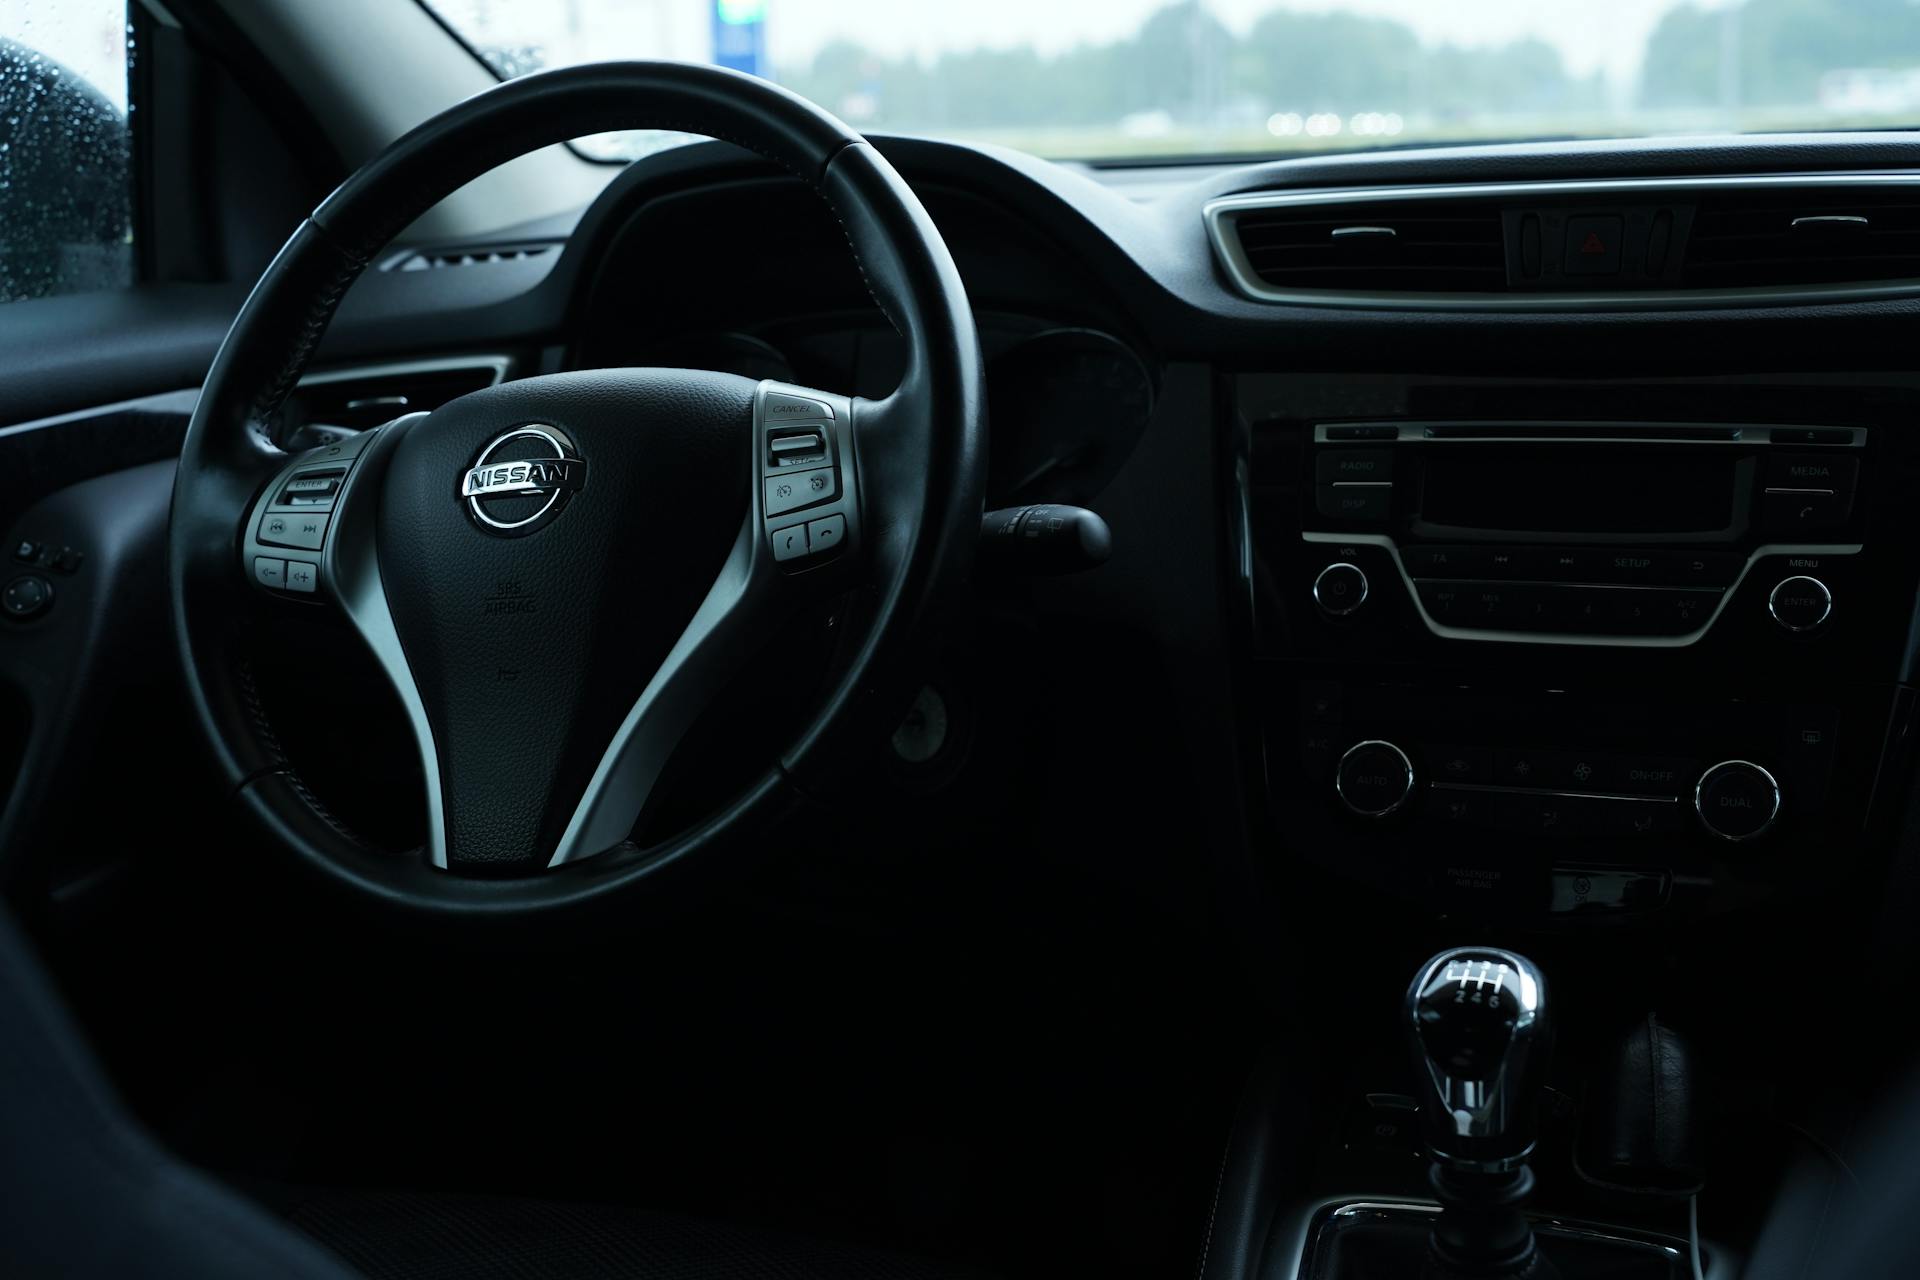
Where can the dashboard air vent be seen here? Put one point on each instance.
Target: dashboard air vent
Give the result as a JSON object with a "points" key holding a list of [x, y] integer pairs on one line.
{"points": [[355, 399], [1392, 246], [1803, 235], [469, 255]]}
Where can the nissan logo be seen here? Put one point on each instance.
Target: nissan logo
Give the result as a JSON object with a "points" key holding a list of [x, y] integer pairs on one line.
{"points": [[520, 482]]}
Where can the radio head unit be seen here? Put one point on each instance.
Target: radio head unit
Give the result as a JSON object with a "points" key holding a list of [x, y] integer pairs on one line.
{"points": [[1580, 532]]}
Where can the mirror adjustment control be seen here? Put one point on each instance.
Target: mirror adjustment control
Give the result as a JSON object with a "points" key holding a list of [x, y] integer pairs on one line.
{"points": [[1800, 604], [1737, 800], [1374, 779], [27, 596], [1340, 590]]}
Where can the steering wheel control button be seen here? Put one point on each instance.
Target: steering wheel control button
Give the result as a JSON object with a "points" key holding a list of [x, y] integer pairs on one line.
{"points": [[797, 448], [310, 490], [27, 596], [781, 407], [1800, 604], [1737, 800], [303, 576], [1374, 778], [826, 535], [26, 552], [269, 572], [799, 489], [1340, 590], [790, 544], [293, 529]]}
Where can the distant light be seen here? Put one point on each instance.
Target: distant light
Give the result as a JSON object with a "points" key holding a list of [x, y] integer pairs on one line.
{"points": [[1285, 124], [1323, 124], [741, 13], [1391, 124]]}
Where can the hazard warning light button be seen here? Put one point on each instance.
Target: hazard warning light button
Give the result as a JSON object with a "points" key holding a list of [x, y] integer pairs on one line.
{"points": [[1593, 246]]}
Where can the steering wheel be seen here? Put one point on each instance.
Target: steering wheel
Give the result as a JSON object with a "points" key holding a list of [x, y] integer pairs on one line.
{"points": [[559, 573]]}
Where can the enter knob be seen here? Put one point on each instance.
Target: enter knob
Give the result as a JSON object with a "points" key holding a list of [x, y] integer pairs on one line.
{"points": [[1737, 800], [1800, 604]]}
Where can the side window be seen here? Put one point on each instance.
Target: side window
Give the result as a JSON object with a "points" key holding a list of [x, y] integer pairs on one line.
{"points": [[66, 206]]}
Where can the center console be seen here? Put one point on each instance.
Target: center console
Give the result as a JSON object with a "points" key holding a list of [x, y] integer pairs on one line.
{"points": [[1569, 670]]}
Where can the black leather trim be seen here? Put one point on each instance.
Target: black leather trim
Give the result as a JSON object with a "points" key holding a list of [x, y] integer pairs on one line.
{"points": [[84, 1191]]}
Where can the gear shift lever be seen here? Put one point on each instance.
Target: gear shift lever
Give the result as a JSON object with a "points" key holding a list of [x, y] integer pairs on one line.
{"points": [[1478, 1017]]}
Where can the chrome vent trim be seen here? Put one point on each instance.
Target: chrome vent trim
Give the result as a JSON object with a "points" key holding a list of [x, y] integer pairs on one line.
{"points": [[468, 255], [1222, 216]]}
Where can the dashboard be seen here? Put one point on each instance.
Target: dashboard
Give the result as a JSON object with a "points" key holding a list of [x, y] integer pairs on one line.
{"points": [[1548, 501], [1521, 529]]}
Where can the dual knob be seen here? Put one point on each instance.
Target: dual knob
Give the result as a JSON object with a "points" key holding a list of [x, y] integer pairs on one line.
{"points": [[1736, 800]]}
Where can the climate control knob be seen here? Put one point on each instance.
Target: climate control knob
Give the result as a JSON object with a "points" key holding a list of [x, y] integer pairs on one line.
{"points": [[1800, 604], [1374, 779], [1737, 800], [1340, 590]]}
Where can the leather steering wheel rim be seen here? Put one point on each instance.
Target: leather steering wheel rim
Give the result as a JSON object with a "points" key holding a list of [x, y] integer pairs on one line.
{"points": [[917, 456]]}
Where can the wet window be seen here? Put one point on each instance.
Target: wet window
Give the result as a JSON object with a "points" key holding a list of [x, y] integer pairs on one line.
{"points": [[66, 221]]}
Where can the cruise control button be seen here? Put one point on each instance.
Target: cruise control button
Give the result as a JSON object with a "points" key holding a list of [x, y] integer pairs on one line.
{"points": [[826, 535], [293, 529], [781, 407], [799, 489], [791, 543], [303, 576], [269, 572]]}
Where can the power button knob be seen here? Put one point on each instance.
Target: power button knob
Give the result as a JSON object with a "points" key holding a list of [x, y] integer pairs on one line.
{"points": [[1340, 589]]}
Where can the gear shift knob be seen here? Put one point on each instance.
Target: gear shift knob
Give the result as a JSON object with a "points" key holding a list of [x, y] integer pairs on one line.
{"points": [[1478, 1016]]}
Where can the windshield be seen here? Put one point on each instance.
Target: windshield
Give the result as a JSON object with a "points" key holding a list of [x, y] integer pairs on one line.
{"points": [[1107, 79]]}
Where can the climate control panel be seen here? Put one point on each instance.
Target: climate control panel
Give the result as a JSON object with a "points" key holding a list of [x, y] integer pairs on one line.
{"points": [[1600, 801]]}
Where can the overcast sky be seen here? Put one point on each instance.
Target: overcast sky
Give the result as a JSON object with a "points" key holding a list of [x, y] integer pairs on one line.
{"points": [[1589, 33], [1606, 34]]}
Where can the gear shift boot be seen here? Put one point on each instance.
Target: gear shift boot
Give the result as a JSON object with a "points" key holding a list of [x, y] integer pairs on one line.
{"points": [[1390, 1242]]}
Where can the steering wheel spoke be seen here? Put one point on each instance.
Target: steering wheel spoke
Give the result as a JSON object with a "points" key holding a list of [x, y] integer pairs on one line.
{"points": [[801, 542]]}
